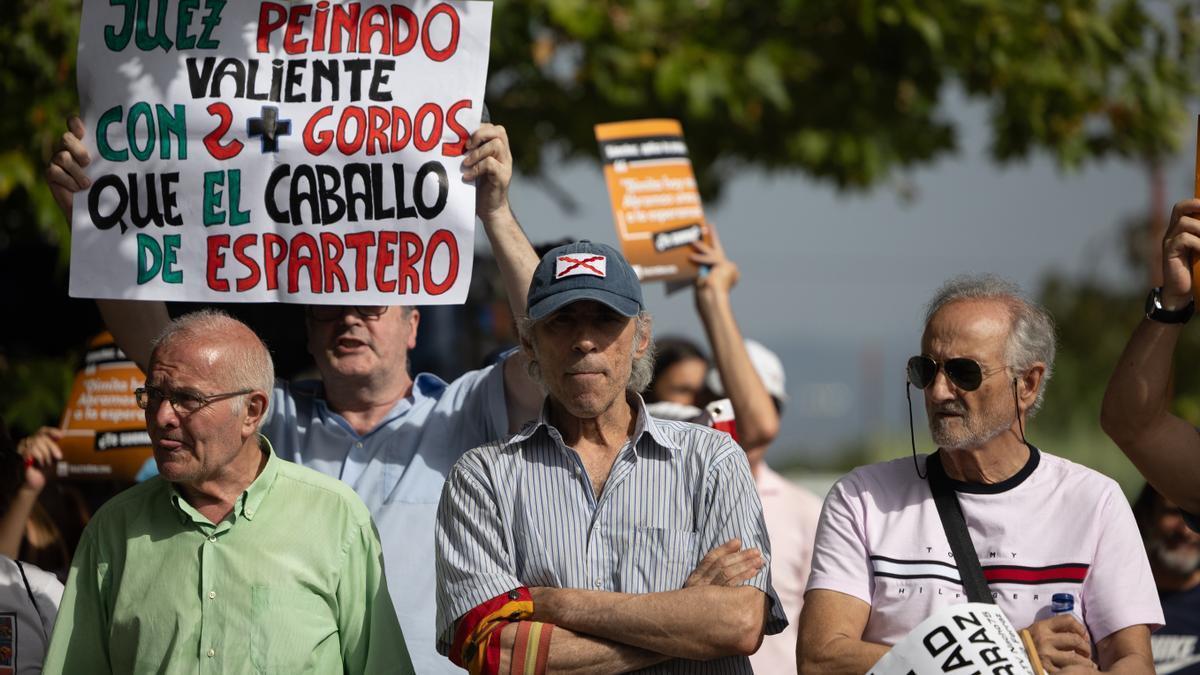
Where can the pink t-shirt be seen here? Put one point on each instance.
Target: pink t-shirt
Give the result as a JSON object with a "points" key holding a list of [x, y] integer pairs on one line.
{"points": [[791, 513], [1054, 527]]}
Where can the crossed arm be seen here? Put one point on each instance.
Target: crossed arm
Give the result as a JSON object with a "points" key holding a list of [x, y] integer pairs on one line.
{"points": [[712, 616]]}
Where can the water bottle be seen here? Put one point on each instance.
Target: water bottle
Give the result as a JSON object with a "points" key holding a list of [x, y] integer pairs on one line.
{"points": [[1062, 603]]}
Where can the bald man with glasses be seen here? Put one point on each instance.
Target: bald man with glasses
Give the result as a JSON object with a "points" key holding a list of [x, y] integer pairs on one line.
{"points": [[1038, 524], [231, 559]]}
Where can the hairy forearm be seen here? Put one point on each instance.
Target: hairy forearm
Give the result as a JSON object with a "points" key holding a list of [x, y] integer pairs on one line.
{"points": [[838, 656], [703, 622], [572, 652], [757, 419], [1126, 652], [1136, 415], [1139, 389], [514, 256]]}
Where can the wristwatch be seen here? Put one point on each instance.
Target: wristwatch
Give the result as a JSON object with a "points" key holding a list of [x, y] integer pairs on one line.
{"points": [[1156, 312]]}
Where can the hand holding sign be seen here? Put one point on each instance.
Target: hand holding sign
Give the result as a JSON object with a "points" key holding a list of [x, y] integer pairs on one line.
{"points": [[488, 162], [40, 451], [65, 174]]}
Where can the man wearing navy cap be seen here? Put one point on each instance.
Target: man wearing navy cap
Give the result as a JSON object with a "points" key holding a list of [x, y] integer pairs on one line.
{"points": [[581, 542]]}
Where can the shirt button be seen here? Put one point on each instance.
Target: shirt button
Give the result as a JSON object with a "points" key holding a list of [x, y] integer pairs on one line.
{"points": [[213, 539], [599, 584], [212, 595], [212, 653], [358, 445]]}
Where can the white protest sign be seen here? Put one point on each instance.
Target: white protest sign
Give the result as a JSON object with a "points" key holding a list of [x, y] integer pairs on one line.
{"points": [[278, 151], [969, 638]]}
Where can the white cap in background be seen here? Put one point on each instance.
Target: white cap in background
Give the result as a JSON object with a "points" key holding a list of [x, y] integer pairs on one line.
{"points": [[766, 364]]}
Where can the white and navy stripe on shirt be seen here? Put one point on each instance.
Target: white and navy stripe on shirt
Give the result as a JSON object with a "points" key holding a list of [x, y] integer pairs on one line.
{"points": [[523, 513]]}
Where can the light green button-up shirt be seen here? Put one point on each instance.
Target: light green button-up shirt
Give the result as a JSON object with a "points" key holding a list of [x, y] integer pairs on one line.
{"points": [[291, 582]]}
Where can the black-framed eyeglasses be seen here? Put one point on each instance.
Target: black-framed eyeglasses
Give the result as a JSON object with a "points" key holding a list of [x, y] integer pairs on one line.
{"points": [[334, 312], [964, 373], [182, 402]]}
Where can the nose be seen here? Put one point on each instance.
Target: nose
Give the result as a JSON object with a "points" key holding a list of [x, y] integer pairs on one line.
{"points": [[584, 339], [940, 390], [162, 416]]}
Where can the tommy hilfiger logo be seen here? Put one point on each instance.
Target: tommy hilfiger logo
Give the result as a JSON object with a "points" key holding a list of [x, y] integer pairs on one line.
{"points": [[995, 574], [569, 266]]}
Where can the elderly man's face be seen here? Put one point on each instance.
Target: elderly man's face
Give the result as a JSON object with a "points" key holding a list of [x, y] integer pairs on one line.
{"points": [[197, 446], [353, 346], [1170, 542], [974, 329], [585, 352]]}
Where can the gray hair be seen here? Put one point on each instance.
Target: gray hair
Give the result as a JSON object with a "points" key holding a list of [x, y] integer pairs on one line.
{"points": [[248, 362], [642, 370], [1031, 336]]}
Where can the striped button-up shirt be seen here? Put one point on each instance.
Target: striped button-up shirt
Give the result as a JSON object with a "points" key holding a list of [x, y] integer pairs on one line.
{"points": [[523, 513]]}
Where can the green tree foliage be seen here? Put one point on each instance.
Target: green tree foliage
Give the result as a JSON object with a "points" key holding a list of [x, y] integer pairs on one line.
{"points": [[844, 90]]}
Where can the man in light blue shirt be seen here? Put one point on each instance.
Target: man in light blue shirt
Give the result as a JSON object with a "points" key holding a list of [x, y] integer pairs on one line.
{"points": [[390, 436]]}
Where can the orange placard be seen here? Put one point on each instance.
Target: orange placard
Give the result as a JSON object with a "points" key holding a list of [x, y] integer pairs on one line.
{"points": [[104, 432], [655, 203]]}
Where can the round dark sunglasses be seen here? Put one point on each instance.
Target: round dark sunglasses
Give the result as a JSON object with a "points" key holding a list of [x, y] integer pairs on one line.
{"points": [[964, 373]]}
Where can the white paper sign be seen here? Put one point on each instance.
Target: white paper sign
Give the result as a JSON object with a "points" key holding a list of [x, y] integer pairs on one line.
{"points": [[966, 639], [278, 151]]}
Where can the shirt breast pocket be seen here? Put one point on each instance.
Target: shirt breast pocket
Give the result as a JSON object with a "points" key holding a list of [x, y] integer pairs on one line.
{"points": [[658, 559], [288, 629]]}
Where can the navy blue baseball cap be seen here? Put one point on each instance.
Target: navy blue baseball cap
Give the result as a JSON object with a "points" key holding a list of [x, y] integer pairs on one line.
{"points": [[584, 271]]}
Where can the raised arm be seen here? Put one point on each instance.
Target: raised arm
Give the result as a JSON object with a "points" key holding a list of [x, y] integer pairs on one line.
{"points": [[1136, 409], [757, 418], [134, 324], [489, 162], [39, 451]]}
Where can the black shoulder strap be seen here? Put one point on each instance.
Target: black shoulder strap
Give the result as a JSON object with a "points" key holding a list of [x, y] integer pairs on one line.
{"points": [[955, 526]]}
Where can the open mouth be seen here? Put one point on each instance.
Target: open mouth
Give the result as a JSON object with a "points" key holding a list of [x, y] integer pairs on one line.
{"points": [[349, 344]]}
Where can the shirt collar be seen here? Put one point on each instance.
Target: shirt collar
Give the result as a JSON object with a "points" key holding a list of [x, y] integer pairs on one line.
{"points": [[645, 425], [424, 386], [251, 498]]}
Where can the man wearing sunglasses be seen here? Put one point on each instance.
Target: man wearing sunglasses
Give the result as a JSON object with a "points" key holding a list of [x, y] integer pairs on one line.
{"points": [[230, 560], [1137, 404], [1039, 524], [389, 435]]}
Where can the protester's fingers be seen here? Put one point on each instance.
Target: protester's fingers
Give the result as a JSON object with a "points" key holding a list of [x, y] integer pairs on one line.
{"points": [[73, 168], [1067, 642], [75, 149], [42, 451], [493, 148], [488, 167], [75, 126], [743, 569], [1055, 658], [1186, 207], [704, 259], [53, 432], [487, 132]]}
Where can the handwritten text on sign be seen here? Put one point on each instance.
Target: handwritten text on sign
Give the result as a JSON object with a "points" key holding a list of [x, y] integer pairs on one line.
{"points": [[258, 151]]}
